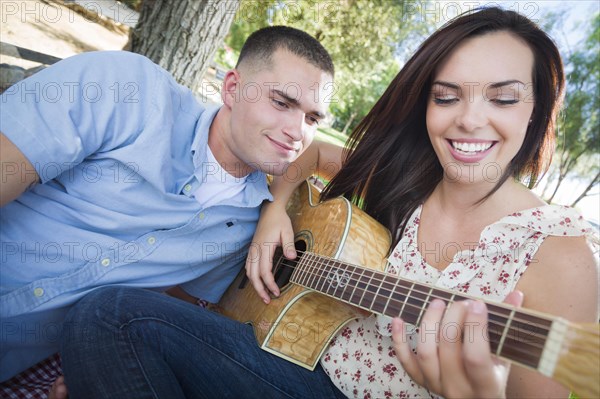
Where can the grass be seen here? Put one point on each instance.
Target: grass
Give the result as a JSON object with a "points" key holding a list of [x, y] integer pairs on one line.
{"points": [[330, 135]]}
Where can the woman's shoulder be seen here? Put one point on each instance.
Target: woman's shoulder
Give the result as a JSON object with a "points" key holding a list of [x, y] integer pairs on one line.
{"points": [[551, 220], [529, 211]]}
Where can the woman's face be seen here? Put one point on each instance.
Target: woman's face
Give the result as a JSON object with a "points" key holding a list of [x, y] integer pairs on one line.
{"points": [[479, 107]]}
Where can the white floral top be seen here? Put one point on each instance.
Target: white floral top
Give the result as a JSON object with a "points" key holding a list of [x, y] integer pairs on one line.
{"points": [[361, 361]]}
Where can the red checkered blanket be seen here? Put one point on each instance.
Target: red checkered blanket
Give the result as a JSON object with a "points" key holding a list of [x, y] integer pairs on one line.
{"points": [[33, 383]]}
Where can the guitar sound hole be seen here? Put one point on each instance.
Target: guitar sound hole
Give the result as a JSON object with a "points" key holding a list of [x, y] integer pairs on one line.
{"points": [[284, 267]]}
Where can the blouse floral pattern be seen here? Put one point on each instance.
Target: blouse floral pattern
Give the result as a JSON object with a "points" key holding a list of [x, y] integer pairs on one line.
{"points": [[360, 359]]}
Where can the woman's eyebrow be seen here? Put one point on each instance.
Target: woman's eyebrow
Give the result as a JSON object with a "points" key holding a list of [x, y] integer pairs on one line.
{"points": [[505, 83], [494, 85], [446, 84]]}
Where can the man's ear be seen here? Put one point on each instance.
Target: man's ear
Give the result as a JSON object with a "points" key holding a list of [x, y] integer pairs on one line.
{"points": [[230, 92]]}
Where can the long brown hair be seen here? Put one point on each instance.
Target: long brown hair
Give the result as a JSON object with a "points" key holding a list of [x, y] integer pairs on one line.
{"points": [[391, 167]]}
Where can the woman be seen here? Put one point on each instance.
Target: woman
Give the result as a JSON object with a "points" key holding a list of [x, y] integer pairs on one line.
{"points": [[438, 161]]}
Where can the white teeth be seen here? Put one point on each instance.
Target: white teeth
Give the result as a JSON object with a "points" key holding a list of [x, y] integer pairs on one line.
{"points": [[471, 147]]}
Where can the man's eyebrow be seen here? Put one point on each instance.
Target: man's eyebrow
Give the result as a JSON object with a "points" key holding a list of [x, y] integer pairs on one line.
{"points": [[286, 97], [296, 103]]}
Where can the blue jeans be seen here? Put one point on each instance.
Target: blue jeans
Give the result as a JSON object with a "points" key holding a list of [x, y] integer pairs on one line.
{"points": [[130, 343]]}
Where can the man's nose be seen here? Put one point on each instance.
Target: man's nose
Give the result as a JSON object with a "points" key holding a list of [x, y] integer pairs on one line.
{"points": [[295, 125]]}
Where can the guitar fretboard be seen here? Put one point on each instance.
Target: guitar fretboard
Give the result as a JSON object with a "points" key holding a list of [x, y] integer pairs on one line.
{"points": [[514, 334]]}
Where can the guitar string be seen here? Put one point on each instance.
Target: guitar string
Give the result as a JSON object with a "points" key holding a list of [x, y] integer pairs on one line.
{"points": [[538, 348], [555, 350], [417, 300], [321, 260], [411, 289]]}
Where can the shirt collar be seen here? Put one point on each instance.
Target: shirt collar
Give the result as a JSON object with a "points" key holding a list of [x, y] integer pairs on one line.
{"points": [[257, 189]]}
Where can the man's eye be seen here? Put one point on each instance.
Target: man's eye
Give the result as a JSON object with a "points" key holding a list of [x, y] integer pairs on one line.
{"points": [[278, 103], [311, 120]]}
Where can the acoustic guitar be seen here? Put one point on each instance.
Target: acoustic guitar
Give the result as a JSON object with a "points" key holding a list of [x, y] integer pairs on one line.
{"points": [[339, 274]]}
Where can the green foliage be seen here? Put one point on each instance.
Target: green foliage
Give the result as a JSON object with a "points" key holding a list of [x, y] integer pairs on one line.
{"points": [[363, 37], [579, 125]]}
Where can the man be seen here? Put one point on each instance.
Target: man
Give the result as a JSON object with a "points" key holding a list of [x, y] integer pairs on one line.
{"points": [[113, 174]]}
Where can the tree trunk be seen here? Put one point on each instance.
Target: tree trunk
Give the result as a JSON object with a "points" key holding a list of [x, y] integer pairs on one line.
{"points": [[561, 177], [348, 123], [183, 35], [587, 189]]}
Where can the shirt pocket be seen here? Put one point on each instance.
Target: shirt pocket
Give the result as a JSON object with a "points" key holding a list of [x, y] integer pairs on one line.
{"points": [[218, 242]]}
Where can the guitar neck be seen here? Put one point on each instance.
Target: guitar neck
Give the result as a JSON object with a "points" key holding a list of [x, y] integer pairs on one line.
{"points": [[517, 335]]}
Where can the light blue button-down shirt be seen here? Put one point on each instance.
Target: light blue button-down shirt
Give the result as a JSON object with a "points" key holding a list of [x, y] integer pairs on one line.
{"points": [[120, 150]]}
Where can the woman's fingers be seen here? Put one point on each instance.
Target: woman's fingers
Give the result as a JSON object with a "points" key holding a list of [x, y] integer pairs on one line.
{"points": [[427, 345], [404, 353]]}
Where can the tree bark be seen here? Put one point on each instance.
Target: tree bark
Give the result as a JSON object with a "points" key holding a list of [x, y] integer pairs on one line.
{"points": [[348, 123], [587, 189], [182, 35]]}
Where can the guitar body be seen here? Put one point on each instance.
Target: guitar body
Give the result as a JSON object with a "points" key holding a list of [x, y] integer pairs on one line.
{"points": [[299, 324], [339, 274]]}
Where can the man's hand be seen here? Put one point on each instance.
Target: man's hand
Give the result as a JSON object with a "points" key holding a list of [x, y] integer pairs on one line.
{"points": [[274, 229]]}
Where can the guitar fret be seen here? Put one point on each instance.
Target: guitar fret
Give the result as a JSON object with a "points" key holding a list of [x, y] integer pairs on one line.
{"points": [[505, 332], [361, 284], [327, 275], [298, 271], [497, 317], [387, 303], [369, 293], [391, 295], [309, 272], [344, 295], [406, 300], [337, 278], [376, 295], [321, 272], [384, 293], [316, 275], [525, 337], [365, 290], [423, 306], [450, 302], [356, 286]]}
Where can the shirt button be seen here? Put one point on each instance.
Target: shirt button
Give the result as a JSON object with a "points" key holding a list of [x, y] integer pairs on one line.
{"points": [[105, 262], [151, 240], [201, 216], [187, 187], [38, 292]]}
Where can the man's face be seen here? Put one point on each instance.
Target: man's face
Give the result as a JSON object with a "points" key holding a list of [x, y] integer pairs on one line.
{"points": [[274, 112]]}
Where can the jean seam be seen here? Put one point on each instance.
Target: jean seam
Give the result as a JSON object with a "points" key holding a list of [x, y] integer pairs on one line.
{"points": [[137, 359], [156, 319]]}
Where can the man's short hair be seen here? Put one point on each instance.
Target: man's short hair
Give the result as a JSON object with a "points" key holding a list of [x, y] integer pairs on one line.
{"points": [[262, 44]]}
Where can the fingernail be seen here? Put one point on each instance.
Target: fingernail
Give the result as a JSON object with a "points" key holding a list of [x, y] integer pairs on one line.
{"points": [[437, 304], [477, 307]]}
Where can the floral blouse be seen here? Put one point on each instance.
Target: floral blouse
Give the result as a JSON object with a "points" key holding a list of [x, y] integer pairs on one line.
{"points": [[361, 361]]}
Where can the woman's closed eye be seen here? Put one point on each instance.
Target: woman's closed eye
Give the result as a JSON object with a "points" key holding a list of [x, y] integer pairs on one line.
{"points": [[504, 101], [445, 100]]}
